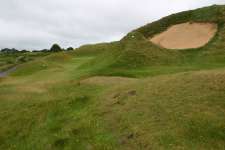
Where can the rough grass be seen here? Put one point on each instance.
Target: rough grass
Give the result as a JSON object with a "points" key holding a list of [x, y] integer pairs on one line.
{"points": [[176, 111], [50, 109], [9, 60], [175, 101], [181, 111]]}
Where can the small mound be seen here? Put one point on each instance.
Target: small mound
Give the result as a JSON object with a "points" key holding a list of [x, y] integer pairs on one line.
{"points": [[186, 35]]}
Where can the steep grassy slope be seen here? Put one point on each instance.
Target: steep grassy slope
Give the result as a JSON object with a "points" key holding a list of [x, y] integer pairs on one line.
{"points": [[136, 52], [59, 102]]}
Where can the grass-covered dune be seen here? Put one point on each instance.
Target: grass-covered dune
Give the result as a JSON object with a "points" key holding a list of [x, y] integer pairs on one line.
{"points": [[135, 53], [124, 95]]}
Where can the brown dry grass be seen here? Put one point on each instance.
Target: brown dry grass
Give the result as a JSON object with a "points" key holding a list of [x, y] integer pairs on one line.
{"points": [[108, 81]]}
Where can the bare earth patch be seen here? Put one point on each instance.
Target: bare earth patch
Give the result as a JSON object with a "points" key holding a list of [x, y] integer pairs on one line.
{"points": [[102, 80], [186, 35]]}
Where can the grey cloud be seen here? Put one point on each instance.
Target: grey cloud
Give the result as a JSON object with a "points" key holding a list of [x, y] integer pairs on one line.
{"points": [[32, 24]]}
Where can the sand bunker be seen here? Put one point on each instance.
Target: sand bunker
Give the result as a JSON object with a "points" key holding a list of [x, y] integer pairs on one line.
{"points": [[186, 35]]}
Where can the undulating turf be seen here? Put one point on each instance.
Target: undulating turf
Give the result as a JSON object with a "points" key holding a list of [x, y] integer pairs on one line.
{"points": [[126, 95]]}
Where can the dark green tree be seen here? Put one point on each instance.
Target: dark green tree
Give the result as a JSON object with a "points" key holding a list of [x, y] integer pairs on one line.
{"points": [[70, 49], [55, 48]]}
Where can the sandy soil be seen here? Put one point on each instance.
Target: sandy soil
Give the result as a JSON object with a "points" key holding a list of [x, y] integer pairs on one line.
{"points": [[186, 35]]}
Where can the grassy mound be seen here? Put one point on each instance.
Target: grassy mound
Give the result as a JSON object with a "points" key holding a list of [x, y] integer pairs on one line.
{"points": [[92, 49], [135, 51], [52, 61]]}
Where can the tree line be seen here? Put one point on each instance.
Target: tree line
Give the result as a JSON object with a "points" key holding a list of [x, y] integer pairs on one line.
{"points": [[54, 48]]}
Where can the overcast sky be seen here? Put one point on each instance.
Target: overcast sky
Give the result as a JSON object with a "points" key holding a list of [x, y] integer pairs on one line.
{"points": [[37, 24]]}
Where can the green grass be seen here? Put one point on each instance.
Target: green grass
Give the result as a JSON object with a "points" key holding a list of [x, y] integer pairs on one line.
{"points": [[9, 60], [181, 111], [84, 99]]}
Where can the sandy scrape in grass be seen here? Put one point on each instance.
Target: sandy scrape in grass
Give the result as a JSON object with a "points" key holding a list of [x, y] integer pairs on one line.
{"points": [[186, 35]]}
